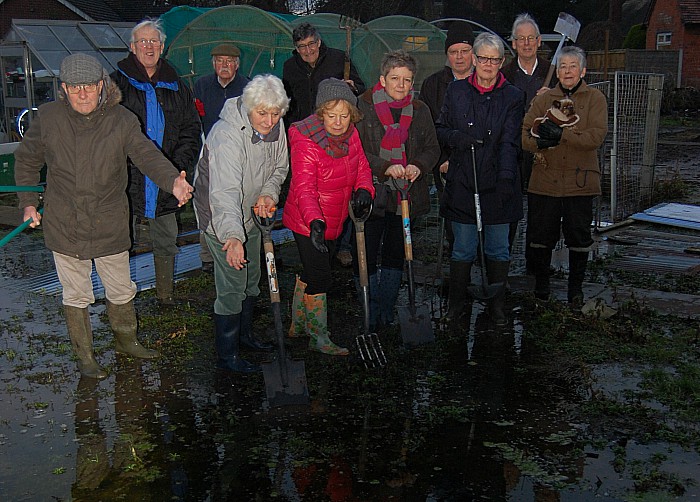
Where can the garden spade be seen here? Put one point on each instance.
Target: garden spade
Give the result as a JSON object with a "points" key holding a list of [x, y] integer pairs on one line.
{"points": [[568, 27], [416, 327], [285, 379], [485, 291], [368, 344]]}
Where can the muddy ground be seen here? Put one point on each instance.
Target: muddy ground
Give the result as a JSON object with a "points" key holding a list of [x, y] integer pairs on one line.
{"points": [[557, 406]]}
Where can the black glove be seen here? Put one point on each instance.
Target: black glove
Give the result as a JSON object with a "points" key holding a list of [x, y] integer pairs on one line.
{"points": [[318, 231], [549, 130], [505, 188], [545, 143], [460, 141], [361, 202]]}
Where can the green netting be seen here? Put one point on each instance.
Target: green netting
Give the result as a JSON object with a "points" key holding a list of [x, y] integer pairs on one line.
{"points": [[265, 41], [175, 20]]}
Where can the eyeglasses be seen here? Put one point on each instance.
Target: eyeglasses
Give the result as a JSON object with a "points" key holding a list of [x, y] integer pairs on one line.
{"points": [[529, 39], [76, 88], [485, 60], [458, 52], [224, 62], [143, 42], [306, 47]]}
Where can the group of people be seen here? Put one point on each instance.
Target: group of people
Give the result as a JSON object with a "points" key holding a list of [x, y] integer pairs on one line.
{"points": [[348, 145]]}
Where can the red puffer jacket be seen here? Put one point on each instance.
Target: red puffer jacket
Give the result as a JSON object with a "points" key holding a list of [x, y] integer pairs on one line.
{"points": [[322, 186]]}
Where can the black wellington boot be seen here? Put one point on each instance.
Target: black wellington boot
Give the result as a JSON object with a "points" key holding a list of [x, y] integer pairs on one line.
{"points": [[460, 278], [248, 340], [539, 260], [578, 261], [228, 332], [497, 273]]}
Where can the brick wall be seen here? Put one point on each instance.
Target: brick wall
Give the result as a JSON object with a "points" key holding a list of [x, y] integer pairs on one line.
{"points": [[667, 18], [32, 9]]}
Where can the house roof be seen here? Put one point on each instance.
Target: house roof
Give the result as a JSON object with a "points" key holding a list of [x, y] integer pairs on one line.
{"points": [[689, 10], [96, 9]]}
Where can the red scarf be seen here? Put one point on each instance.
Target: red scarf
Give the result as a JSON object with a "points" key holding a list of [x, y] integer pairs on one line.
{"points": [[392, 148]]}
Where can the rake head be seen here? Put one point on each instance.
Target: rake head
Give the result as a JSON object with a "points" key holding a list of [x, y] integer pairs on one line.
{"points": [[370, 349]]}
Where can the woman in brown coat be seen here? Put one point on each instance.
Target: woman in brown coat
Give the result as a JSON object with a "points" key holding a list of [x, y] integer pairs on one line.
{"points": [[565, 174]]}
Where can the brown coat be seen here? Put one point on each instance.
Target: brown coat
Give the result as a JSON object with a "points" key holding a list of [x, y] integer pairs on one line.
{"points": [[571, 168], [86, 208]]}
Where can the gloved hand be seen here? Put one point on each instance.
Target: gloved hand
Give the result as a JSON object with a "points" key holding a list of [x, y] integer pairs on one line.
{"points": [[505, 189], [461, 141], [545, 143], [549, 130], [361, 203], [318, 231]]}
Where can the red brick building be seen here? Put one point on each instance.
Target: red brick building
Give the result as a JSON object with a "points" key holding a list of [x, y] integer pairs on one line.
{"points": [[675, 25]]}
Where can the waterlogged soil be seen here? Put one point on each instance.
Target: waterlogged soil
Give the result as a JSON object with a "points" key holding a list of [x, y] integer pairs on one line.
{"points": [[557, 406]]}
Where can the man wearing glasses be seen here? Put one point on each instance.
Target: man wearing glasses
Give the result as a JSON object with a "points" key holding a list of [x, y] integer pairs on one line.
{"points": [[165, 106], [311, 62], [211, 91], [210, 94], [84, 138], [458, 48]]}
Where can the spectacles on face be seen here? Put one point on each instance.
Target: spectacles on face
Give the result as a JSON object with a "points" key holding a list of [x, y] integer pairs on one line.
{"points": [[459, 52], [529, 39], [306, 47], [76, 88], [144, 42], [224, 61], [486, 60]]}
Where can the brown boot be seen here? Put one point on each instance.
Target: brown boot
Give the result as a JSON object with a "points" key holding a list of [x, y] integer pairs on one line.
{"points": [[122, 318], [165, 271], [80, 332]]}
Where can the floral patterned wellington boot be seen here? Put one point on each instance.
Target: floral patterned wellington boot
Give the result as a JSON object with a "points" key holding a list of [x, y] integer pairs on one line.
{"points": [[298, 326], [316, 307]]}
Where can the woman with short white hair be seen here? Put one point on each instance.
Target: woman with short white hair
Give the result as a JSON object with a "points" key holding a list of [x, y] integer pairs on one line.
{"points": [[243, 165]]}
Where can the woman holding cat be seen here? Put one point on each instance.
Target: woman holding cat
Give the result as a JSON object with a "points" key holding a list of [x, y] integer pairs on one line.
{"points": [[565, 174]]}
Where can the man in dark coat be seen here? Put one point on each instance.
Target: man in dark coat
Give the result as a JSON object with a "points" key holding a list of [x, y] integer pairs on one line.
{"points": [[84, 139], [210, 93], [311, 62], [165, 106]]}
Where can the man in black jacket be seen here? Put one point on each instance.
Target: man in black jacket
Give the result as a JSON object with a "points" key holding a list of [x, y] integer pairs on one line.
{"points": [[312, 62], [165, 107]]}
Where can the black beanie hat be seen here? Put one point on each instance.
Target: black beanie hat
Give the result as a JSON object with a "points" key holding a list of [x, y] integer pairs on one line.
{"points": [[459, 32]]}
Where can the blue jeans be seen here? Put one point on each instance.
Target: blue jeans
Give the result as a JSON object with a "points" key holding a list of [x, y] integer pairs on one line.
{"points": [[496, 246]]}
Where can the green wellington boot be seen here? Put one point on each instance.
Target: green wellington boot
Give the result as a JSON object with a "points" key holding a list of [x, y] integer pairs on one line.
{"points": [[122, 319], [80, 332]]}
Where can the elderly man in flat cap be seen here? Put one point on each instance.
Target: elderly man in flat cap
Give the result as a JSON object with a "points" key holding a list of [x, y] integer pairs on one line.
{"points": [[211, 92], [84, 138]]}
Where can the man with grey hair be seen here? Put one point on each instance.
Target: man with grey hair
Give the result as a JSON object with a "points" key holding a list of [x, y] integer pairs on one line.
{"points": [[84, 139], [165, 106]]}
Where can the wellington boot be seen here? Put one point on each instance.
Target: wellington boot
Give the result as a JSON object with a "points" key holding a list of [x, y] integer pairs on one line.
{"points": [[122, 319], [497, 273], [538, 262], [298, 326], [578, 261], [80, 332], [228, 331], [165, 271], [316, 307], [248, 340], [460, 278], [389, 285]]}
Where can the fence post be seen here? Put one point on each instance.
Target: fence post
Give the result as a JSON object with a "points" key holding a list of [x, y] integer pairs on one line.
{"points": [[655, 85]]}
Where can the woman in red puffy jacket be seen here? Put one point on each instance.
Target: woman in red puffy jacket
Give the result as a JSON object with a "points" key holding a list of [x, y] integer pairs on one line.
{"points": [[329, 168]]}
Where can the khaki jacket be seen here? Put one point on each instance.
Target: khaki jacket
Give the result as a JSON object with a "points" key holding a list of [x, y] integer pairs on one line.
{"points": [[570, 168]]}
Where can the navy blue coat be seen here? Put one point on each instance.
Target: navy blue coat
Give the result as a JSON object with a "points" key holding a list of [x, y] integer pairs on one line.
{"points": [[495, 118]]}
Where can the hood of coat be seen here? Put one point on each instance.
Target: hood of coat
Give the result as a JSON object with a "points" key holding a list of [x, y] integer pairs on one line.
{"points": [[236, 114], [111, 95]]}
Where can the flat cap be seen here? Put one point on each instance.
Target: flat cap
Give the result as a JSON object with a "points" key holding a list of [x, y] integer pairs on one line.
{"points": [[226, 50], [80, 69]]}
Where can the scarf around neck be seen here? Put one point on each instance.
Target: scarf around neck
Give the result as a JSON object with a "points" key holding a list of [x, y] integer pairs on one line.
{"points": [[393, 145], [335, 146], [500, 82]]}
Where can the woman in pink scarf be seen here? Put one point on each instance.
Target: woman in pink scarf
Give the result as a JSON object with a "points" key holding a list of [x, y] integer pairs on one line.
{"points": [[398, 136]]}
